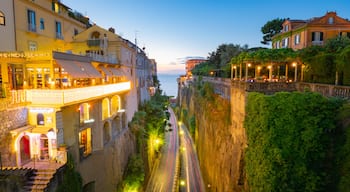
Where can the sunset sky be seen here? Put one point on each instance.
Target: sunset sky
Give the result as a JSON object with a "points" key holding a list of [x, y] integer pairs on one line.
{"points": [[172, 30]]}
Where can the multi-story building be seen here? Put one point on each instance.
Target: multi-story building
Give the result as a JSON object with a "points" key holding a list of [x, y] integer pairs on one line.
{"points": [[298, 34], [191, 63], [65, 82]]}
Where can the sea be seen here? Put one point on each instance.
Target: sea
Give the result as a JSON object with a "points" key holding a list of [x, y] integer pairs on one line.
{"points": [[168, 84]]}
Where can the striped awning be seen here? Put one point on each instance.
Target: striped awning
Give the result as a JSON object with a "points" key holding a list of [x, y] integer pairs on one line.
{"points": [[106, 71], [78, 69], [116, 72], [72, 68], [90, 70]]}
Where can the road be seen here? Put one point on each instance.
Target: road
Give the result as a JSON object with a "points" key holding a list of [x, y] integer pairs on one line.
{"points": [[193, 180], [164, 174]]}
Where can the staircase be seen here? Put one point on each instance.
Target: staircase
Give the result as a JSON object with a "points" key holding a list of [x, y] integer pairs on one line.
{"points": [[39, 181]]}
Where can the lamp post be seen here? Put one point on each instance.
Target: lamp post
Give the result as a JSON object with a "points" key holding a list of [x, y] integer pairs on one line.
{"points": [[295, 72]]}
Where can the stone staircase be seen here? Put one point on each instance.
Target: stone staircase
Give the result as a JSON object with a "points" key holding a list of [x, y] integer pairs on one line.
{"points": [[39, 181]]}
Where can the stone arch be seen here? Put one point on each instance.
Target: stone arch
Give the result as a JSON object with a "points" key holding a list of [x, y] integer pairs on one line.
{"points": [[105, 108], [116, 125], [106, 132]]}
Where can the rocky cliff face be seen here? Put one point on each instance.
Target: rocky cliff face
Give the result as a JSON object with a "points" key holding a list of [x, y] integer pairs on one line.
{"points": [[219, 136]]}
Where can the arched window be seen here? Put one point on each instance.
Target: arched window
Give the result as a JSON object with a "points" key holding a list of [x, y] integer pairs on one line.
{"points": [[2, 18], [330, 20], [84, 112], [105, 108], [95, 35], [115, 104], [40, 119]]}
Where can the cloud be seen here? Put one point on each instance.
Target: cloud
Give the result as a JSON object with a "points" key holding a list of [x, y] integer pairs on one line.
{"points": [[172, 63]]}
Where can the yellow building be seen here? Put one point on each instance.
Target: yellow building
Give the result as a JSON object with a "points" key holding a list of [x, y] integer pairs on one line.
{"points": [[298, 34], [69, 83]]}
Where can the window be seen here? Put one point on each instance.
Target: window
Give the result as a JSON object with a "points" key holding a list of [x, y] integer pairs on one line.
{"points": [[317, 36], [59, 30], [277, 44], [286, 28], [42, 24], [285, 42], [297, 39], [32, 46], [2, 18], [40, 119], [31, 21], [76, 31], [55, 7], [85, 142], [330, 20], [105, 109]]}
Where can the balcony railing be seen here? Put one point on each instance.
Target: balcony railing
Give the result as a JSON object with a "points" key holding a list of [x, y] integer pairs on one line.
{"points": [[93, 42], [317, 42], [64, 97], [31, 27], [103, 58]]}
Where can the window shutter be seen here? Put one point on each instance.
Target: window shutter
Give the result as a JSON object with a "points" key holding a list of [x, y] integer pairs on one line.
{"points": [[313, 36], [321, 36]]}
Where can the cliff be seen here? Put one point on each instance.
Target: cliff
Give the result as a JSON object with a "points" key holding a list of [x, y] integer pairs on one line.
{"points": [[219, 134]]}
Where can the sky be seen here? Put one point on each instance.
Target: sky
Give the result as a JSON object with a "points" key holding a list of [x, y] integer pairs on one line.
{"points": [[173, 30]]}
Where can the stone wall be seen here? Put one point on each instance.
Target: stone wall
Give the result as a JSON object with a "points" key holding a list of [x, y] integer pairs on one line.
{"points": [[220, 145], [10, 119]]}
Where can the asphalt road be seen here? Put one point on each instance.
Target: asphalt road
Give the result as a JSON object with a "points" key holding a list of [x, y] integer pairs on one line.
{"points": [[193, 180], [164, 175]]}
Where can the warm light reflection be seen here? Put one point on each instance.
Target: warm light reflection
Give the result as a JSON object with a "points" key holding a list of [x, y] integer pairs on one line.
{"points": [[64, 96]]}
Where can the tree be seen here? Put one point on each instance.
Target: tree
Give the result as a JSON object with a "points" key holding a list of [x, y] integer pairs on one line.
{"points": [[270, 29]]}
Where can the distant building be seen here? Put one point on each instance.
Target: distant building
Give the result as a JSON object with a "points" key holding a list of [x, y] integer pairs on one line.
{"points": [[191, 63], [298, 34]]}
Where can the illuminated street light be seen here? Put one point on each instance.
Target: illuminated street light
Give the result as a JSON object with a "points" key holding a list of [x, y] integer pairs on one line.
{"points": [[295, 72], [182, 183]]}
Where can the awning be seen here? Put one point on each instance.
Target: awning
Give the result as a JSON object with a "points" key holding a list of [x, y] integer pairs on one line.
{"points": [[106, 71], [89, 69], [116, 72], [72, 68], [41, 130]]}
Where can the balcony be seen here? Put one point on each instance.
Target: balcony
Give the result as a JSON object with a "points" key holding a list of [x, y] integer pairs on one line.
{"points": [[112, 59], [317, 42], [63, 97], [59, 35], [31, 27], [94, 42]]}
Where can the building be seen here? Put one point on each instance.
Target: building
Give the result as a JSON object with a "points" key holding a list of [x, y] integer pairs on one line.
{"points": [[298, 34], [191, 63], [66, 82]]}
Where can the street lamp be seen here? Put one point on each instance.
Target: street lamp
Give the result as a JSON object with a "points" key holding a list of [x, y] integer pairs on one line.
{"points": [[295, 72]]}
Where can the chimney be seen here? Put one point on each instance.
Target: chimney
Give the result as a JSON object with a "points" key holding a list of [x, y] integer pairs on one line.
{"points": [[111, 29]]}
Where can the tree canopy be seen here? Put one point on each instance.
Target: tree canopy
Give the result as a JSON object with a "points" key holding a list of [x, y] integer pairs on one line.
{"points": [[270, 29]]}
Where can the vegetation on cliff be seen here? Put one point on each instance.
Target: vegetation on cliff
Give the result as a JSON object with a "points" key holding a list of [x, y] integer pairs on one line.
{"points": [[147, 125], [290, 138]]}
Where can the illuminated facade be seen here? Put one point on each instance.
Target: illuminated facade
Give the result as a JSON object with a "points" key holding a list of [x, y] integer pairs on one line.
{"points": [[190, 64], [298, 34], [68, 83]]}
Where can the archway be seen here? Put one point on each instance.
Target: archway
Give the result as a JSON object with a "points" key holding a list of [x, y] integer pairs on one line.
{"points": [[44, 147], [25, 149]]}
